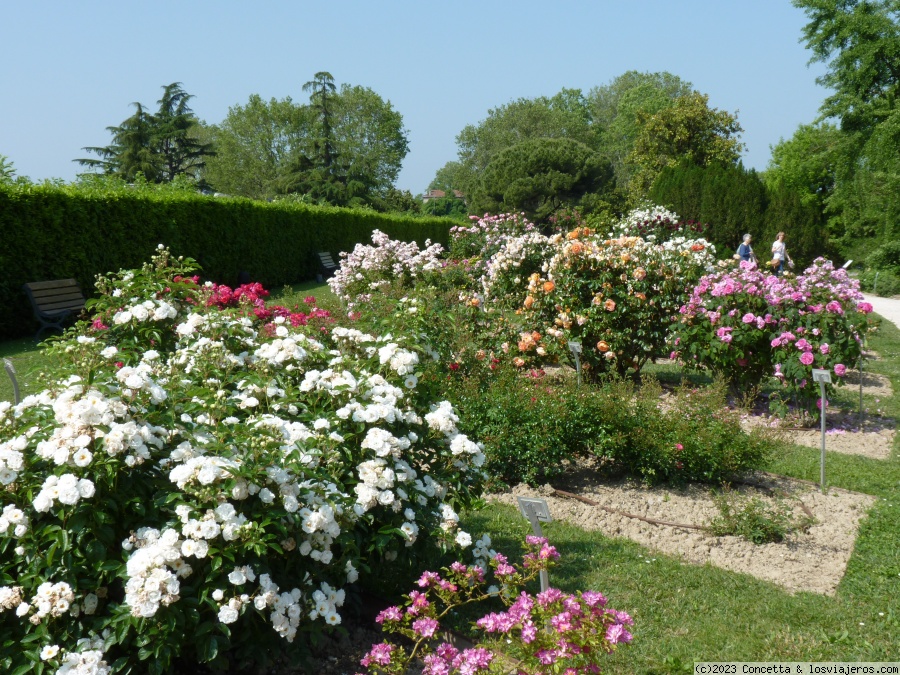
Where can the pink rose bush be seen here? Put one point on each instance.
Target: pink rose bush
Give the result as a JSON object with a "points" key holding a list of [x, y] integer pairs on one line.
{"points": [[551, 631], [367, 269], [192, 470], [485, 235], [748, 324]]}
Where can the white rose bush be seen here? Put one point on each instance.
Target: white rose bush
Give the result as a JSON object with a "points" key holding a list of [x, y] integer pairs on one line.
{"points": [[199, 480]]}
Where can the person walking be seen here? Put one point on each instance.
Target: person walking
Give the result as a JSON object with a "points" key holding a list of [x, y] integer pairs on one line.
{"points": [[745, 251], [780, 254]]}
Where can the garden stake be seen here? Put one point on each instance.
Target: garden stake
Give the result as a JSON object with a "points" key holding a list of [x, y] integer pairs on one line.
{"points": [[576, 350], [822, 377], [860, 390], [11, 371]]}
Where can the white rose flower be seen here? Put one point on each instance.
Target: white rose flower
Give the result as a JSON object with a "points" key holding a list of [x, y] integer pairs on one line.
{"points": [[228, 614], [49, 652]]}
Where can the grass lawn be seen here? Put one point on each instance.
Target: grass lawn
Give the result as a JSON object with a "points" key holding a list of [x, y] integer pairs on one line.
{"points": [[683, 612]]}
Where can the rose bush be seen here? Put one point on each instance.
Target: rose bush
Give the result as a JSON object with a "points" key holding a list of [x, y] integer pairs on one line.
{"points": [[747, 324], [615, 297], [194, 468], [550, 632], [367, 269]]}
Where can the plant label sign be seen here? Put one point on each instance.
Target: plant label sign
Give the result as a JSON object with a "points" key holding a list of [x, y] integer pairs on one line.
{"points": [[820, 375], [535, 509]]}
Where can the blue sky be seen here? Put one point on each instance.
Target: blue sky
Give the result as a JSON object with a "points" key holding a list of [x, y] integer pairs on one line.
{"points": [[70, 69]]}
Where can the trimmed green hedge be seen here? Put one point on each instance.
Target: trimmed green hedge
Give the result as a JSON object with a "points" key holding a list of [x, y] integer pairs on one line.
{"points": [[61, 231]]}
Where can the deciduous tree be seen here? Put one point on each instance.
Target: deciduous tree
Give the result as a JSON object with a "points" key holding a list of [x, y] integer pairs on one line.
{"points": [[689, 131]]}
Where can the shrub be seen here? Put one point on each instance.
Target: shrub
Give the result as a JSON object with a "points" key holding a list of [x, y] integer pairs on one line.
{"points": [[745, 325], [615, 297], [368, 269], [551, 631], [689, 435], [79, 231], [195, 467], [754, 519], [881, 282], [886, 257], [524, 422]]}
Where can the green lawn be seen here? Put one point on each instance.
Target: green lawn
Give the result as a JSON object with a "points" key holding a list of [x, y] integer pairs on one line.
{"points": [[686, 612]]}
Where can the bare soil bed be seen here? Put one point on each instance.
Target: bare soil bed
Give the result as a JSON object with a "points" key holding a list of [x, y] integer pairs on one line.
{"points": [[814, 560], [873, 438]]}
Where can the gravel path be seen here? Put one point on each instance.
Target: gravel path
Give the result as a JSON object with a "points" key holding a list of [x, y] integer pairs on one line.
{"points": [[886, 307]]}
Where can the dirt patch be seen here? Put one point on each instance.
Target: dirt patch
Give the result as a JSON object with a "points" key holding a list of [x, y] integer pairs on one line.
{"points": [[873, 444], [873, 384], [874, 438], [814, 560]]}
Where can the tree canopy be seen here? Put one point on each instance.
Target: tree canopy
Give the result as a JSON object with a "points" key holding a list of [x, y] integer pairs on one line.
{"points": [[345, 147], [851, 166], [859, 42], [689, 130], [565, 115], [7, 170], [615, 109], [158, 146], [541, 176]]}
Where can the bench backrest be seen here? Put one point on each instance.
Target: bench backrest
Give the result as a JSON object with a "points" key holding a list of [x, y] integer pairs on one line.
{"points": [[327, 261], [54, 297]]}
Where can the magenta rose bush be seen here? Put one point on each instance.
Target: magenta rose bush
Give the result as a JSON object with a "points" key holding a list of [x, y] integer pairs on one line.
{"points": [[747, 324], [547, 632]]}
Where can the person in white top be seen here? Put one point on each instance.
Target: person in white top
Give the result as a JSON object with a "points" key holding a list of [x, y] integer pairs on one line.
{"points": [[780, 254]]}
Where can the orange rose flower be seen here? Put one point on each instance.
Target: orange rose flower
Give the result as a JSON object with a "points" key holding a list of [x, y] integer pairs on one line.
{"points": [[602, 346], [549, 286], [640, 273], [609, 305], [529, 301], [697, 247], [536, 336], [518, 363]]}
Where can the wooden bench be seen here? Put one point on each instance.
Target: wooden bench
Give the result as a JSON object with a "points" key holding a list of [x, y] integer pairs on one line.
{"points": [[54, 302], [327, 265]]}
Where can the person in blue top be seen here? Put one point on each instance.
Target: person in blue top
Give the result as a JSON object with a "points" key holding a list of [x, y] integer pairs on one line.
{"points": [[745, 251]]}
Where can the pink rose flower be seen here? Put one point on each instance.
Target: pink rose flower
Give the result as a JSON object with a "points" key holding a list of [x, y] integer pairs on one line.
{"points": [[840, 370], [806, 358]]}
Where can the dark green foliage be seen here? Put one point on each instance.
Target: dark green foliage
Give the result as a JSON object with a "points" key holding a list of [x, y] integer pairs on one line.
{"points": [[880, 282], [886, 257], [531, 426], [733, 201], [692, 437], [60, 232], [158, 146], [541, 176], [803, 224], [451, 207]]}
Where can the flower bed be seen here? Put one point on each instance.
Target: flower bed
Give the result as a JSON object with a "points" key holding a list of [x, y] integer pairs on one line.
{"points": [[195, 467]]}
